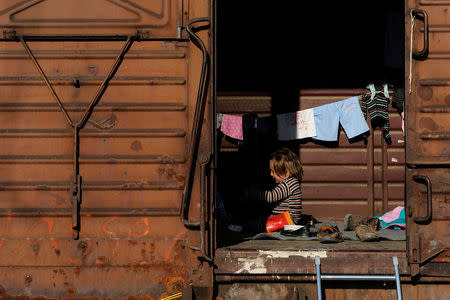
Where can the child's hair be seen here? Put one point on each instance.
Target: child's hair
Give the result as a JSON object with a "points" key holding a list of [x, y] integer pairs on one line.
{"points": [[287, 162]]}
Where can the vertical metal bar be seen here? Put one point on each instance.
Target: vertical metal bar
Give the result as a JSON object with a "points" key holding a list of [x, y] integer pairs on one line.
{"points": [[75, 185], [384, 159], [319, 282], [76, 150], [197, 125], [370, 175], [397, 278], [47, 82], [204, 245]]}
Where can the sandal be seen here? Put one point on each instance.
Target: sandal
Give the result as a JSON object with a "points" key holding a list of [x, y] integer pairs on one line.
{"points": [[329, 234]]}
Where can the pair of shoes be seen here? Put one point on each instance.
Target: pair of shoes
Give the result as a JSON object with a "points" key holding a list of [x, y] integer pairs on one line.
{"points": [[329, 234], [365, 227], [351, 221]]}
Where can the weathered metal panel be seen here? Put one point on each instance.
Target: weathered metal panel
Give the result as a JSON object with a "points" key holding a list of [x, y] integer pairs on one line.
{"points": [[160, 18], [133, 152], [428, 138], [428, 121]]}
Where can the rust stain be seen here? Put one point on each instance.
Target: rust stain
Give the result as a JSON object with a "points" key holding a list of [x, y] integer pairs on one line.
{"points": [[425, 92], [70, 291], [136, 146], [35, 247], [172, 245], [6, 230], [143, 252], [177, 269], [102, 260], [84, 247], [174, 284], [77, 270], [35, 243]]}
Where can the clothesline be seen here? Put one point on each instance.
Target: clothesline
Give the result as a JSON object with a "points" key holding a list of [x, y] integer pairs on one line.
{"points": [[322, 122]]}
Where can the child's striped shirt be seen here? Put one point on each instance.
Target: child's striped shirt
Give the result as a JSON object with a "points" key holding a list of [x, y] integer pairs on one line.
{"points": [[288, 195]]}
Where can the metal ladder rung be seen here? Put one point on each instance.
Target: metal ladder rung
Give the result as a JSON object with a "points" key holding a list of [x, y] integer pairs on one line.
{"points": [[395, 277]]}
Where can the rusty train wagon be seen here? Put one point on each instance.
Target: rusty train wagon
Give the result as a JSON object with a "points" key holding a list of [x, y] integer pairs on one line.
{"points": [[109, 156], [98, 102]]}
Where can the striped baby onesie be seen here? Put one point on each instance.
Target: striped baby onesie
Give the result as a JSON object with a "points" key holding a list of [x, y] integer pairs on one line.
{"points": [[376, 103], [288, 197]]}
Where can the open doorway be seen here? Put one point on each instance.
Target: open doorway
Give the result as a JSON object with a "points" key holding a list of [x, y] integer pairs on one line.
{"points": [[277, 59]]}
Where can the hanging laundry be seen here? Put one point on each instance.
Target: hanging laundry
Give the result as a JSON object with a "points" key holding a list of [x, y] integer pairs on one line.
{"points": [[259, 139], [346, 112], [376, 103], [232, 126], [296, 125]]}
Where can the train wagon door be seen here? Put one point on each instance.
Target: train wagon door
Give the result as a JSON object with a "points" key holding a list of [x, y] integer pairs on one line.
{"points": [[428, 137], [100, 103]]}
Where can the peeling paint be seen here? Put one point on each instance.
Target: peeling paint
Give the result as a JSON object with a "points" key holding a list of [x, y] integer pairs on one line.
{"points": [[252, 265], [257, 265], [287, 254]]}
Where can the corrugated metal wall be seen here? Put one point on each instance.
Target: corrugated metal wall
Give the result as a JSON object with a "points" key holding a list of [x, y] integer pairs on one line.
{"points": [[339, 179]]}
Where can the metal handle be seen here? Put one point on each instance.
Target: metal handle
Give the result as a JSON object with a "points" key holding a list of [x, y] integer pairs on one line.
{"points": [[428, 217], [197, 123], [423, 54], [204, 160]]}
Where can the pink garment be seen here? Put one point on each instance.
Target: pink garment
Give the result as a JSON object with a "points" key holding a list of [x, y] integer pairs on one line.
{"points": [[392, 215], [232, 126]]}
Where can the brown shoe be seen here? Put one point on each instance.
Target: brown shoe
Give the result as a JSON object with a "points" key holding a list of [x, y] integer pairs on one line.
{"points": [[329, 234], [366, 233], [351, 221], [374, 223]]}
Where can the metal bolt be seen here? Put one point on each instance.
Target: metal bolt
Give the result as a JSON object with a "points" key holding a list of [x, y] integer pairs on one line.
{"points": [[28, 279]]}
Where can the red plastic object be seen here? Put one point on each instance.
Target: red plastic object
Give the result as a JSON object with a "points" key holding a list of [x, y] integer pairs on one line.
{"points": [[276, 222]]}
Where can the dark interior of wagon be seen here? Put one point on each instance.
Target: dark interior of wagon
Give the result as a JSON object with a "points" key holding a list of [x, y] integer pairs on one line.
{"points": [[280, 53]]}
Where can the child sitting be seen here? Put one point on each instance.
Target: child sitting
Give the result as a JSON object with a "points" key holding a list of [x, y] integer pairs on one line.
{"points": [[286, 170]]}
